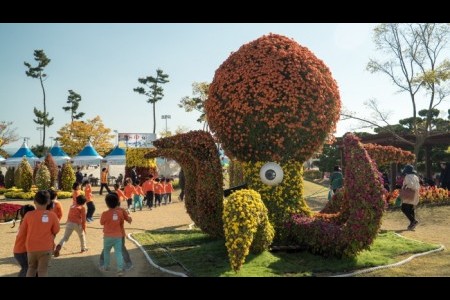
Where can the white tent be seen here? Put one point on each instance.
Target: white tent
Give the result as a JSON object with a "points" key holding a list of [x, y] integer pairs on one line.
{"points": [[87, 156], [2, 158], [58, 154], [116, 157], [23, 151]]}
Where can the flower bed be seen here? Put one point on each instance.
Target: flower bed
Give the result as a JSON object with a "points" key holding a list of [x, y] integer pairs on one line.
{"points": [[8, 211], [427, 195]]}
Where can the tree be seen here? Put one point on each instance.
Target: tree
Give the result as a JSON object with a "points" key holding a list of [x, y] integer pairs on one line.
{"points": [[73, 100], [25, 175], [7, 133], [43, 181], [415, 67], [52, 168], [39, 150], [155, 90], [196, 102], [329, 158], [67, 177], [42, 117], [74, 136], [9, 177]]}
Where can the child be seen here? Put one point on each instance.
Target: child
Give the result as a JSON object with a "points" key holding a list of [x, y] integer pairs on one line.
{"points": [[119, 193], [159, 190], [137, 198], [113, 230], [168, 189], [129, 191], [39, 228], [89, 201], [20, 251], [125, 254], [75, 193], [148, 188], [54, 205], [76, 220]]}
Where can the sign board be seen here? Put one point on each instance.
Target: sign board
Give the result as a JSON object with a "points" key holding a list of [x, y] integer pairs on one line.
{"points": [[136, 140]]}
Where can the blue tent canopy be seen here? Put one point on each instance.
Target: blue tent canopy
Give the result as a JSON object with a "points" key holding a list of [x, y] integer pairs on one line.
{"points": [[58, 154], [23, 151], [87, 156], [116, 157]]}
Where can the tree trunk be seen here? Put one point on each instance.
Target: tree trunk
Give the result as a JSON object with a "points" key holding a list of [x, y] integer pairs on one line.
{"points": [[154, 117], [45, 111]]}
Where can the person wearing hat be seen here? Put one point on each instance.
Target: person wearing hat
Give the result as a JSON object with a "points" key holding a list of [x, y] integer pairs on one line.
{"points": [[411, 181]]}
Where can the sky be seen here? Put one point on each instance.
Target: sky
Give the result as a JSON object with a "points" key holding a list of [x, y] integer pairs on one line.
{"points": [[102, 63]]}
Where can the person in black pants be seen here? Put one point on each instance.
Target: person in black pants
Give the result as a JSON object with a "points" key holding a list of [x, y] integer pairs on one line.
{"points": [[444, 178], [104, 181]]}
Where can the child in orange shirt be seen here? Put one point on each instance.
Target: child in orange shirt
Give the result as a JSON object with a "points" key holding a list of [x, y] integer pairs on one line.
{"points": [[75, 193], [137, 198], [125, 255], [39, 228], [76, 220], [129, 191], [54, 205], [148, 189], [168, 189], [159, 191], [113, 230], [20, 251], [119, 193], [89, 201]]}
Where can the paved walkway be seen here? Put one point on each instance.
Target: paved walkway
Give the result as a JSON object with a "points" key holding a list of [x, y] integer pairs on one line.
{"points": [[72, 263]]}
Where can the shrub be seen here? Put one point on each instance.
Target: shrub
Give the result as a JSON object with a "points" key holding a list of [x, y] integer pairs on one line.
{"points": [[43, 178], [52, 168], [312, 174], [26, 175], [8, 211], [246, 226], [17, 176], [19, 194], [35, 171], [9, 178], [361, 209], [197, 155], [67, 177]]}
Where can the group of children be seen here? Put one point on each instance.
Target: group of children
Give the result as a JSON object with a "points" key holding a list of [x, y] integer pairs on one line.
{"points": [[39, 226], [35, 241], [157, 190]]}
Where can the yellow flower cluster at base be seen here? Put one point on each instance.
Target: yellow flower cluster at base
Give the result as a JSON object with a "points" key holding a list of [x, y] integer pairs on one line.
{"points": [[246, 226]]}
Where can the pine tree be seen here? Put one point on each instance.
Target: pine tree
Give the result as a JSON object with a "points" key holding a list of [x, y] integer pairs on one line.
{"points": [[74, 101], [9, 178]]}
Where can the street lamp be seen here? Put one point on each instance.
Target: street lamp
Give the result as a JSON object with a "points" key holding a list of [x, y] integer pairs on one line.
{"points": [[40, 128], [165, 117], [117, 136], [51, 140]]}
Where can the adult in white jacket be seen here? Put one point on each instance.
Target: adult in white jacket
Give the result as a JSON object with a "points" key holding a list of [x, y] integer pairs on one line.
{"points": [[411, 181]]}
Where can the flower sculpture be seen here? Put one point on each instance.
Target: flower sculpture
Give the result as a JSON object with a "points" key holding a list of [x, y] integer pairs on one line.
{"points": [[275, 101]]}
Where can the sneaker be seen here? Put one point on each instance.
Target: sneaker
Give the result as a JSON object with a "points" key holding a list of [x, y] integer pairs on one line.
{"points": [[103, 269], [128, 267], [413, 225], [84, 250], [57, 249], [120, 274]]}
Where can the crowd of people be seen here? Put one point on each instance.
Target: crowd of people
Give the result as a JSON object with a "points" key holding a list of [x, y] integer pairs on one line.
{"points": [[40, 223]]}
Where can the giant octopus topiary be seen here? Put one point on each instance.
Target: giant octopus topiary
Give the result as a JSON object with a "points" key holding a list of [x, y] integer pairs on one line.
{"points": [[275, 101]]}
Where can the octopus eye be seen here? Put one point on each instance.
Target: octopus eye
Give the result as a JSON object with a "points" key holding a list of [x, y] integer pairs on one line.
{"points": [[271, 173]]}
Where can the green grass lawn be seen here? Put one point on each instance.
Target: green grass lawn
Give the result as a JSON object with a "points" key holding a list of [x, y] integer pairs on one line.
{"points": [[205, 256]]}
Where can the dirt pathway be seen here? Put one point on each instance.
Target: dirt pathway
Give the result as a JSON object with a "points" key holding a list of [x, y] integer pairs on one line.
{"points": [[72, 263]]}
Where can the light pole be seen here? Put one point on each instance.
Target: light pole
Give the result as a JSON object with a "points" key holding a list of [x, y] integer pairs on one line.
{"points": [[51, 140], [40, 128], [165, 117], [117, 136]]}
